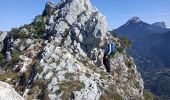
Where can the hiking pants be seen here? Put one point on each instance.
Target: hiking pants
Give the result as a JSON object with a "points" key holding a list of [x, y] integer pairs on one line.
{"points": [[106, 62]]}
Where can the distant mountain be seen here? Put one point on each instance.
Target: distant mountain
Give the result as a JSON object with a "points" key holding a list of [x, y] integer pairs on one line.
{"points": [[159, 24], [135, 28], [147, 42], [150, 49]]}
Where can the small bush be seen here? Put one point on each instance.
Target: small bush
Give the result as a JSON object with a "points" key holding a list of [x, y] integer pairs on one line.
{"points": [[15, 56], [128, 63], [125, 42], [1, 58], [120, 49], [39, 26], [148, 95], [17, 33]]}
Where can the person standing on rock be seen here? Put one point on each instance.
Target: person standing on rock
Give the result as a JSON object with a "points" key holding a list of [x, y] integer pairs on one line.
{"points": [[108, 50]]}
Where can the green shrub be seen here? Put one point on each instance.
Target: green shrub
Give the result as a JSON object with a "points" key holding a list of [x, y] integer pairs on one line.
{"points": [[125, 42], [17, 33], [148, 95], [1, 58], [120, 49], [39, 26], [15, 56]]}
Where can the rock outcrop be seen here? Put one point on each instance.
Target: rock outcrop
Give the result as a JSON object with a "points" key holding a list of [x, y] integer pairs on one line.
{"points": [[8, 93], [2, 37], [68, 59], [77, 22]]}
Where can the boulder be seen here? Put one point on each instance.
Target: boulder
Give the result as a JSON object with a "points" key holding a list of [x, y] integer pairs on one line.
{"points": [[8, 93]]}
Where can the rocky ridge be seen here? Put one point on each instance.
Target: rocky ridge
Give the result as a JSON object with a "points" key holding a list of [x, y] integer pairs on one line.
{"points": [[8, 93], [67, 62]]}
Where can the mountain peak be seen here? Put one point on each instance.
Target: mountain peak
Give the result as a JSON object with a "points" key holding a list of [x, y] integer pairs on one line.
{"points": [[133, 20], [159, 24]]}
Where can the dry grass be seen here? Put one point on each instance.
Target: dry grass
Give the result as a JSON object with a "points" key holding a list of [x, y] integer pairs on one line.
{"points": [[110, 94], [128, 63], [68, 87], [9, 74]]}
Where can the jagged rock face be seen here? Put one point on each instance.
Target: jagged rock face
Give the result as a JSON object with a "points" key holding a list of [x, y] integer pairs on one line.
{"points": [[72, 55], [79, 23], [7, 46], [8, 93], [2, 37]]}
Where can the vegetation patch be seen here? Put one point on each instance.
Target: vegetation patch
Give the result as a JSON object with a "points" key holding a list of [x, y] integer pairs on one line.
{"points": [[18, 33], [39, 26], [128, 63], [1, 58], [102, 75], [9, 75], [87, 74], [69, 76], [148, 95], [125, 43], [110, 94], [68, 87]]}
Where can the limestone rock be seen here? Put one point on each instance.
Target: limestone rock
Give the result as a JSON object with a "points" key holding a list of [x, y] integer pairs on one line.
{"points": [[8, 93], [2, 37]]}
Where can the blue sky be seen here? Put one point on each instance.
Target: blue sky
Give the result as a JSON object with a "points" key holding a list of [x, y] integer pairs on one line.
{"points": [[14, 13]]}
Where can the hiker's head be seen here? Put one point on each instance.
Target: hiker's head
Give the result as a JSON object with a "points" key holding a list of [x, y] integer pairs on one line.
{"points": [[107, 40]]}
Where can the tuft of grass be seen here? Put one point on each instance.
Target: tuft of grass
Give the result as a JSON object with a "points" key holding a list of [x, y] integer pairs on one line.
{"points": [[33, 90], [103, 75], [42, 85], [69, 76], [128, 63], [87, 74], [15, 56], [68, 87], [110, 94], [9, 74], [1, 58]]}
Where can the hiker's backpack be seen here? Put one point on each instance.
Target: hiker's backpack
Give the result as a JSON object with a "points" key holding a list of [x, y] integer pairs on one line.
{"points": [[107, 48]]}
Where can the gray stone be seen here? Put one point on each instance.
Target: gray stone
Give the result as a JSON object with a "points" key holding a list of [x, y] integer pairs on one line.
{"points": [[49, 8], [8, 93], [2, 36]]}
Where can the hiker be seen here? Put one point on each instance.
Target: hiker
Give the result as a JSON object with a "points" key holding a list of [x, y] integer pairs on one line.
{"points": [[108, 50]]}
